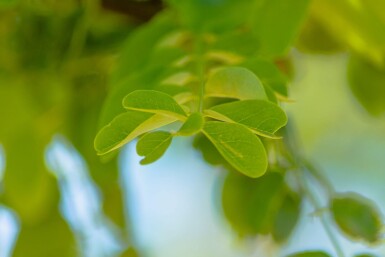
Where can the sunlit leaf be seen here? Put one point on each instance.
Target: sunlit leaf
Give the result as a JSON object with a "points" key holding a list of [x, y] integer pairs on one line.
{"points": [[153, 145], [154, 102], [126, 127], [355, 25], [192, 125], [367, 83], [235, 82], [310, 254], [239, 146], [263, 117], [276, 24], [357, 217]]}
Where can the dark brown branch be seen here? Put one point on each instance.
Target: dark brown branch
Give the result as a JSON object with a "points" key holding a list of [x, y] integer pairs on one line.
{"points": [[139, 10]]}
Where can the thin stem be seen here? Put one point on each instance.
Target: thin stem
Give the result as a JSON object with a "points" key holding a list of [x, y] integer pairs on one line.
{"points": [[315, 202], [200, 69], [321, 179], [302, 165], [79, 33]]}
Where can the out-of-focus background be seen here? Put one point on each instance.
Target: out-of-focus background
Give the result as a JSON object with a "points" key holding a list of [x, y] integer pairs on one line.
{"points": [[59, 199]]}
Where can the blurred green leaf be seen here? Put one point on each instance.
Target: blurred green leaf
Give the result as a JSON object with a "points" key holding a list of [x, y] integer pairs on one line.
{"points": [[50, 237], [153, 145], [355, 25], [238, 42], [81, 125], [236, 195], [192, 125], [287, 217], [235, 82], [367, 83], [265, 201], [29, 188], [209, 153], [8, 3], [268, 73], [276, 24], [310, 254], [140, 45], [130, 252], [357, 217], [364, 255], [127, 126], [315, 38], [263, 117], [240, 147], [250, 205], [154, 102], [208, 15]]}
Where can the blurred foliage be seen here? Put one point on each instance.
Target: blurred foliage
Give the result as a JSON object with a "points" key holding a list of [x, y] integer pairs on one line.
{"points": [[66, 66]]}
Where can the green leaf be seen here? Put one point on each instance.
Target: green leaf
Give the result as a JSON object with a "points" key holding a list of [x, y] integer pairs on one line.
{"points": [[127, 126], [8, 3], [32, 240], [315, 38], [153, 145], [268, 73], [310, 254], [139, 47], [364, 255], [358, 27], [357, 217], [208, 15], [192, 125], [144, 79], [250, 205], [239, 146], [235, 82], [276, 24], [154, 102], [287, 217], [367, 83], [29, 188], [209, 153], [262, 117], [130, 252]]}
